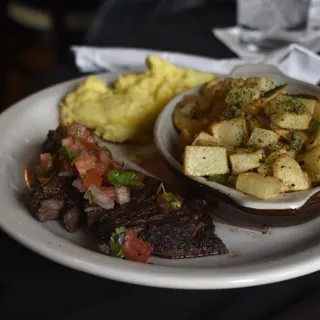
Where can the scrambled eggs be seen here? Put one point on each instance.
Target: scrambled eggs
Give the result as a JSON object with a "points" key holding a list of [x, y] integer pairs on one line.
{"points": [[127, 110]]}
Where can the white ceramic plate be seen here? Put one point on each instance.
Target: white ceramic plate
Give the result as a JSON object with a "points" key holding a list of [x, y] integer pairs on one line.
{"points": [[253, 259], [166, 138]]}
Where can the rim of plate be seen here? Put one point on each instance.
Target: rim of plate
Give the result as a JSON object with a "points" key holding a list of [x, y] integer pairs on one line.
{"points": [[33, 235]]}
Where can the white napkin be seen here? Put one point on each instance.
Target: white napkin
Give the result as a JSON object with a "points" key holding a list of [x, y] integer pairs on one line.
{"points": [[294, 60]]}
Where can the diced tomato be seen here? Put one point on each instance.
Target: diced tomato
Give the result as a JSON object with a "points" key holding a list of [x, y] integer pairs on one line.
{"points": [[66, 142], [84, 162], [110, 192], [134, 248], [105, 158], [89, 145], [92, 178], [46, 161], [79, 131], [101, 168], [69, 168]]}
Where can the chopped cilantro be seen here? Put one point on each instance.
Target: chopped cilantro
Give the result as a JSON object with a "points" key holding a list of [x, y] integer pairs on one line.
{"points": [[219, 178], [116, 241], [65, 154], [169, 197], [76, 136], [90, 196], [120, 179]]}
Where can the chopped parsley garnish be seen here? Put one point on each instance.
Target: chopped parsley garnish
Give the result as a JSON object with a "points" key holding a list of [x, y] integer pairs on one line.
{"points": [[90, 197], [65, 154], [169, 197], [116, 241], [120, 179], [76, 136], [219, 178]]}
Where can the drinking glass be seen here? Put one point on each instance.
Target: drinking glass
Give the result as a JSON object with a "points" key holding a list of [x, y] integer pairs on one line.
{"points": [[266, 25]]}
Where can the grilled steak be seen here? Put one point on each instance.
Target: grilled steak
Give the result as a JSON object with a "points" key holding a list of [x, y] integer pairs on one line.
{"points": [[50, 145], [186, 233], [72, 215], [47, 200], [57, 198]]}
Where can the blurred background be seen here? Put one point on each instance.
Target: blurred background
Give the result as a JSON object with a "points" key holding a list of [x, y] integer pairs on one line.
{"points": [[35, 39], [36, 35]]}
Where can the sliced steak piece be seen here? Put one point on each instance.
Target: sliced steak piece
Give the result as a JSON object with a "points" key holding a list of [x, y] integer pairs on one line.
{"points": [[57, 198], [93, 215], [186, 233], [50, 145], [72, 216], [46, 200], [184, 238]]}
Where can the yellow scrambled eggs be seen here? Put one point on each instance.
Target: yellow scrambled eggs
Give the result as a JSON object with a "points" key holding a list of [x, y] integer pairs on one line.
{"points": [[126, 111]]}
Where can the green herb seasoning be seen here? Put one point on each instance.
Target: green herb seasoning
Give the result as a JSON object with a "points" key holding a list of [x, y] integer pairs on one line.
{"points": [[116, 241], [65, 154], [90, 196], [219, 178], [169, 197], [76, 136], [120, 179], [313, 127]]}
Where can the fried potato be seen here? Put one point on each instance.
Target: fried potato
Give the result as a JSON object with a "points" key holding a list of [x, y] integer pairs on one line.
{"points": [[245, 159], [310, 162], [205, 161], [290, 112], [230, 132], [261, 138], [258, 186]]}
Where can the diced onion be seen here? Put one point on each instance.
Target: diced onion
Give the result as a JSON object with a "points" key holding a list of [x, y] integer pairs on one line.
{"points": [[100, 198], [122, 195], [78, 184]]}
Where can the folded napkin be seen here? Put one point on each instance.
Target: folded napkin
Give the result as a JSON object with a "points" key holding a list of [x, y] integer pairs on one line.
{"points": [[294, 60]]}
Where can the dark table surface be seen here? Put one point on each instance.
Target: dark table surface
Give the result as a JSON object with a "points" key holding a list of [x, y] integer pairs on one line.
{"points": [[32, 287]]}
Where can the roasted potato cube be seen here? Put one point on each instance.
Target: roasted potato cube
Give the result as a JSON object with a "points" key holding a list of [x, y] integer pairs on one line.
{"points": [[205, 139], [261, 138], [255, 106], [310, 162], [316, 112], [250, 91], [245, 159], [284, 134], [290, 112], [252, 123], [265, 169], [230, 132], [205, 161], [188, 124], [258, 186], [232, 181], [288, 171]]}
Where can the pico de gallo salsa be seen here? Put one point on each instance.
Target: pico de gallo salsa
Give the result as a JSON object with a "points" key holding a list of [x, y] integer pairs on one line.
{"points": [[102, 181]]}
